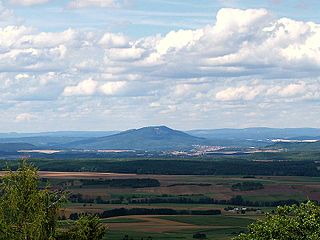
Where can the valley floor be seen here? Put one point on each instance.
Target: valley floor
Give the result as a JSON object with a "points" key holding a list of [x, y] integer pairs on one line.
{"points": [[93, 195]]}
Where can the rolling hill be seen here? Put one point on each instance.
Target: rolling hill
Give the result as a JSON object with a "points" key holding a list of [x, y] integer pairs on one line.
{"points": [[147, 138], [52, 140], [13, 147]]}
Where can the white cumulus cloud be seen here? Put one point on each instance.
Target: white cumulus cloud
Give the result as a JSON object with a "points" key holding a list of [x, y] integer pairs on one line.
{"points": [[92, 3], [111, 40], [239, 93], [28, 2], [24, 117], [87, 87], [113, 88]]}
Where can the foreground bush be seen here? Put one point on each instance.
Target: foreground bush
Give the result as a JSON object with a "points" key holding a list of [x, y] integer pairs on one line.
{"points": [[288, 223], [86, 228], [30, 213]]}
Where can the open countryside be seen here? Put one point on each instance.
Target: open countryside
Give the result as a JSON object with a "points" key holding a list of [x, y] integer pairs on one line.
{"points": [[159, 120]]}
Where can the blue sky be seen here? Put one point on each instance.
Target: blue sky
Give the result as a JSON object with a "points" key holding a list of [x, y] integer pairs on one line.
{"points": [[119, 64], [139, 18]]}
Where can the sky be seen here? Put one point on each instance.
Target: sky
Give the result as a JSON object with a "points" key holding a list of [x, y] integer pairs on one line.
{"points": [[191, 64]]}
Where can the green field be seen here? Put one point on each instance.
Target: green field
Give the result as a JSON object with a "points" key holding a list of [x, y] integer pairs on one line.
{"points": [[214, 234], [221, 221], [175, 227], [122, 220]]}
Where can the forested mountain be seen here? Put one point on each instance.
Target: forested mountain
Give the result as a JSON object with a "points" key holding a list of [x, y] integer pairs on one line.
{"points": [[147, 138]]}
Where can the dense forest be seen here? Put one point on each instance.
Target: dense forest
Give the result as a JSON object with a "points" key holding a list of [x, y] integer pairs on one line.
{"points": [[122, 183]]}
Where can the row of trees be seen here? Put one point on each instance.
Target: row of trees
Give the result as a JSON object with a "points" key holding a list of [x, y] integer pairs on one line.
{"points": [[148, 211], [237, 200], [247, 186], [122, 183]]}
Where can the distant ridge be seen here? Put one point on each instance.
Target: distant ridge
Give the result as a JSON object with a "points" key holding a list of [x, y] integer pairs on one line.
{"points": [[13, 147], [71, 134], [146, 138], [51, 139], [257, 133], [298, 146]]}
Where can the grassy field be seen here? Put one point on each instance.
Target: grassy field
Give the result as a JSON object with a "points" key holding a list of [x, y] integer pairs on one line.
{"points": [[123, 220], [221, 221], [214, 234], [179, 227]]}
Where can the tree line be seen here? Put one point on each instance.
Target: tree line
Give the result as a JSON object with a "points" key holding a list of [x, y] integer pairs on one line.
{"points": [[247, 186], [182, 167], [148, 211], [122, 183], [237, 200]]}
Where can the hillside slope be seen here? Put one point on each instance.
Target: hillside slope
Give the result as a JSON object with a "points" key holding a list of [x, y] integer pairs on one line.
{"points": [[13, 147], [147, 138]]}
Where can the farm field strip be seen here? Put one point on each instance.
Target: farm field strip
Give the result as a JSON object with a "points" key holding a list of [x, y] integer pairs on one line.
{"points": [[177, 227], [154, 223], [186, 179]]}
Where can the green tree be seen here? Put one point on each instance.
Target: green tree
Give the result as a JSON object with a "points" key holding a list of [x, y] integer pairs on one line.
{"points": [[87, 228], [28, 212], [288, 223]]}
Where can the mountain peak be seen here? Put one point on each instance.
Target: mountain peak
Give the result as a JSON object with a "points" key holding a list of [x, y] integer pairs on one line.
{"points": [[157, 128]]}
